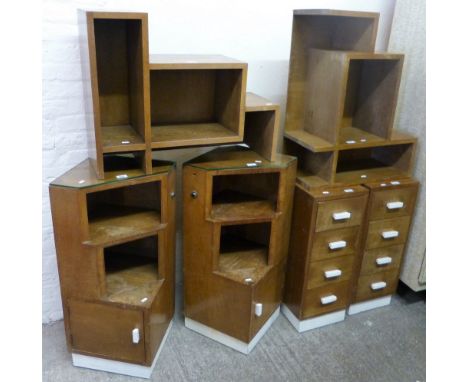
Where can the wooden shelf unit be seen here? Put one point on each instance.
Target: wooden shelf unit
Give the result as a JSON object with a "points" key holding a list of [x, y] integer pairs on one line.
{"points": [[243, 215], [114, 53], [196, 100], [115, 242]]}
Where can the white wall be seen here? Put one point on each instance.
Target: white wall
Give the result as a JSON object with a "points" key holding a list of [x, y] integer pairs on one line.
{"points": [[258, 32]]}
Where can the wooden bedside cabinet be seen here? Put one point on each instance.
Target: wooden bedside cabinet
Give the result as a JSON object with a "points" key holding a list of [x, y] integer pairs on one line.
{"points": [[389, 215], [324, 246], [115, 242], [237, 211]]}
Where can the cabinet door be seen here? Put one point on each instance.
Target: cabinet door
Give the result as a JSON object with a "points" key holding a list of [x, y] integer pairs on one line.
{"points": [[107, 331]]}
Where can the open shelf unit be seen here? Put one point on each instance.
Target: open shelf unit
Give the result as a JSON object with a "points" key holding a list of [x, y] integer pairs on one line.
{"points": [[196, 100], [240, 204], [115, 248]]}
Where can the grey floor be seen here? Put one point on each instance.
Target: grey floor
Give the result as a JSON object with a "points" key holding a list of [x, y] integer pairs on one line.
{"points": [[387, 344]]}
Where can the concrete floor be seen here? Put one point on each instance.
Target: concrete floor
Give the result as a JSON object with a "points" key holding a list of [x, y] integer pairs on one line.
{"points": [[387, 344]]}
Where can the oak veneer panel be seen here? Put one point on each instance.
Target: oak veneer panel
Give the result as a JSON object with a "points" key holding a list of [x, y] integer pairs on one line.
{"points": [[316, 276], [106, 331], [312, 305], [321, 251], [365, 292], [369, 265], [374, 235], [356, 206]]}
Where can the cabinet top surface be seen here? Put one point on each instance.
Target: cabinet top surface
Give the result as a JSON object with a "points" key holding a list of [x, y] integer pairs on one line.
{"points": [[193, 61], [83, 175], [254, 102], [356, 55], [237, 157], [334, 12], [97, 14], [332, 192]]}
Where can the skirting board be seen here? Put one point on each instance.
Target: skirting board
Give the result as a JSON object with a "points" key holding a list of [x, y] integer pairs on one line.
{"points": [[315, 322], [119, 367], [369, 305], [229, 341]]}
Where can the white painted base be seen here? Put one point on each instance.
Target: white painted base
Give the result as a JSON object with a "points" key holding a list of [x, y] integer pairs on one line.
{"points": [[229, 341], [315, 322], [119, 367], [369, 305]]}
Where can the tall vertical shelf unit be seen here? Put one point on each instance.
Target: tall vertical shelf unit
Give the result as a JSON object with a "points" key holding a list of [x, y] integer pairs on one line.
{"points": [[115, 253], [237, 210], [340, 112]]}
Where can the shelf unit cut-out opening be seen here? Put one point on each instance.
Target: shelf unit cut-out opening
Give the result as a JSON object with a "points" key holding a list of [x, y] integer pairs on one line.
{"points": [[244, 196], [243, 251], [195, 106], [374, 164], [131, 271], [261, 132], [119, 56], [314, 169], [370, 100], [120, 214], [125, 163]]}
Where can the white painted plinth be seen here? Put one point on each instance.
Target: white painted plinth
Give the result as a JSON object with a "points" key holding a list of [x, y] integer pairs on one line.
{"points": [[368, 305], [119, 367], [315, 322], [229, 341]]}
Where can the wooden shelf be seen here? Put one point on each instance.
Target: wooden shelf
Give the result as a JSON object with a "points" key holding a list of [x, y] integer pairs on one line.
{"points": [[131, 286], [120, 224], [113, 136], [242, 212], [309, 141], [370, 175], [192, 134], [308, 180], [254, 102]]}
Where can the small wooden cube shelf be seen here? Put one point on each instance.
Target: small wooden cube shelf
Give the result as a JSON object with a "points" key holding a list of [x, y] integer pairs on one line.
{"points": [[115, 242], [196, 100], [237, 210]]}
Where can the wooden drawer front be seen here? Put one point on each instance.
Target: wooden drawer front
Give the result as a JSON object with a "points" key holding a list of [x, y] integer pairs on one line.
{"points": [[328, 213], [386, 204], [323, 272], [379, 228], [106, 330], [370, 287], [382, 259], [313, 305], [323, 240]]}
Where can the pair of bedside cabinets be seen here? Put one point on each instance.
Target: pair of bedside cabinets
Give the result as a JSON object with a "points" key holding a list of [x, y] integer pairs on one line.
{"points": [[345, 250]]}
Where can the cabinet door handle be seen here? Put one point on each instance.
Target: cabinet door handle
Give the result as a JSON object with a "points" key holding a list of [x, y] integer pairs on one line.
{"points": [[378, 285], [395, 205], [343, 215], [136, 335], [332, 273], [383, 260], [258, 309], [390, 234], [328, 299], [337, 244]]}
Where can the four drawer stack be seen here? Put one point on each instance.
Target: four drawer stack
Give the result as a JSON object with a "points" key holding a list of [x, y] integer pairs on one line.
{"points": [[325, 242], [391, 206]]}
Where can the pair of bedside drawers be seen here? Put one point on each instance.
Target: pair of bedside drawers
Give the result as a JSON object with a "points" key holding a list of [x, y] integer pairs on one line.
{"points": [[389, 215], [324, 249]]}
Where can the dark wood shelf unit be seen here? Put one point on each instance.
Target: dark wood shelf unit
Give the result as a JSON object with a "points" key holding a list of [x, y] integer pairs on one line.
{"points": [[196, 100]]}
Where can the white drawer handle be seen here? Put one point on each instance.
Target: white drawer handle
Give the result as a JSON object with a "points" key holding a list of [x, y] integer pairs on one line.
{"points": [[328, 299], [383, 260], [344, 215], [332, 273], [136, 335], [378, 285], [337, 244], [258, 309], [390, 234], [395, 205]]}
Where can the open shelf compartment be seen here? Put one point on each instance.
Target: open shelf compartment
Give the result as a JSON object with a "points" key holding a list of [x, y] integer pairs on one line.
{"points": [[243, 252], [196, 104], [123, 213], [374, 164], [132, 272], [120, 55], [244, 197]]}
